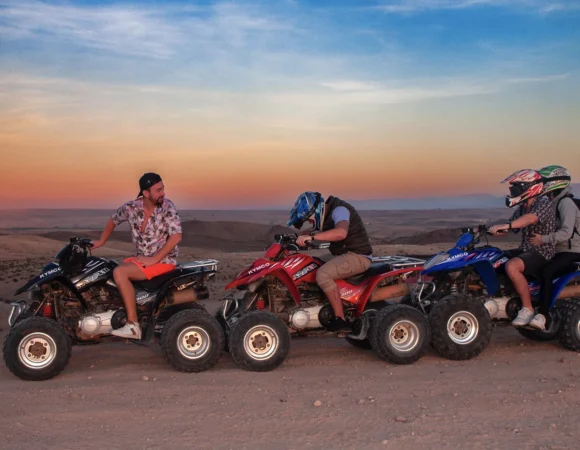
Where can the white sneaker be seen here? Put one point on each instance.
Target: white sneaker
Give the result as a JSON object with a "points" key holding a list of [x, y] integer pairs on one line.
{"points": [[129, 331], [524, 317], [538, 322]]}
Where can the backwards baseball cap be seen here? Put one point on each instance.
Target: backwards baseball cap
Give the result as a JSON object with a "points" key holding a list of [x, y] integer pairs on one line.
{"points": [[146, 181]]}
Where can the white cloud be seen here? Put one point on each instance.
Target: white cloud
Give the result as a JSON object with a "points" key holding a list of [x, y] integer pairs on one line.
{"points": [[410, 6], [349, 85], [159, 32], [538, 79]]}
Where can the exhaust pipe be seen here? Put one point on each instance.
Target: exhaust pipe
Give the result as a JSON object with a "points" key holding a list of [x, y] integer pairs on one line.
{"points": [[191, 294]]}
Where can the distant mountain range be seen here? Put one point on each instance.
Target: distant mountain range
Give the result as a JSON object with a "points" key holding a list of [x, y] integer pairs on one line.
{"points": [[470, 201]]}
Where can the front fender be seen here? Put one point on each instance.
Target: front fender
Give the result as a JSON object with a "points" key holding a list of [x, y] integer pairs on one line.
{"points": [[276, 271], [484, 269], [50, 272]]}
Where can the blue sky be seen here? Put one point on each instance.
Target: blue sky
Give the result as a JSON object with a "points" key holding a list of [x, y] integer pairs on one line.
{"points": [[340, 83]]}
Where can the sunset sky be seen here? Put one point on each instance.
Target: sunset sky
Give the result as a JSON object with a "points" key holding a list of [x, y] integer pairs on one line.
{"points": [[247, 104]]}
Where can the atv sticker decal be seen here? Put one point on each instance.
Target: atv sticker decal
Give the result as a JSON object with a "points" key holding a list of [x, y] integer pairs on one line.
{"points": [[93, 277], [257, 269], [50, 272], [499, 262], [309, 268], [293, 262]]}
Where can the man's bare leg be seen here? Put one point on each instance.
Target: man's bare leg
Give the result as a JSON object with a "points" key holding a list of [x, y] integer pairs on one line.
{"points": [[515, 271], [123, 275]]}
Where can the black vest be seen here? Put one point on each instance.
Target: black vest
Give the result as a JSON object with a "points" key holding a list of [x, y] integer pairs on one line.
{"points": [[357, 239]]}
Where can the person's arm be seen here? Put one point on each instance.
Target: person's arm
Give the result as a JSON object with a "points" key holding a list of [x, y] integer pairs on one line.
{"points": [[341, 218], [109, 227], [171, 243], [119, 216], [517, 221], [338, 233]]}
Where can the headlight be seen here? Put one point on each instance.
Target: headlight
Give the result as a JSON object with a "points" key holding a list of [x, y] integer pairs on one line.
{"points": [[437, 259]]}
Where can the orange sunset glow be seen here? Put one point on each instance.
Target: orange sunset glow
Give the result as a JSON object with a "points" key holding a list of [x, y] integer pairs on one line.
{"points": [[79, 131]]}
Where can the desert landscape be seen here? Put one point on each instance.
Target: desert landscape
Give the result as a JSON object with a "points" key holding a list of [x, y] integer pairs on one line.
{"points": [[518, 393]]}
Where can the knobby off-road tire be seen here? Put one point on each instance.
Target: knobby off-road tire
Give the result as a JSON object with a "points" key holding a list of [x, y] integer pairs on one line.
{"points": [[372, 310], [537, 335], [400, 334], [170, 310], [461, 327], [544, 336], [192, 341], [259, 341], [569, 336], [243, 308], [37, 349], [364, 344], [220, 319]]}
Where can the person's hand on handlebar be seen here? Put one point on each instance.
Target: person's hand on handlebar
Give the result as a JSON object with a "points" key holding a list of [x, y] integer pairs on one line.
{"points": [[301, 241], [96, 244], [499, 229]]}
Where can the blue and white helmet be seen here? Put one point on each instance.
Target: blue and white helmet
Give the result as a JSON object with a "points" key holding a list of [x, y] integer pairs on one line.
{"points": [[307, 204]]}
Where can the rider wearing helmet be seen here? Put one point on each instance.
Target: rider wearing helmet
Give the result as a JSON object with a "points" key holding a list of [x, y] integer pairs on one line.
{"points": [[566, 239], [535, 215], [337, 222]]}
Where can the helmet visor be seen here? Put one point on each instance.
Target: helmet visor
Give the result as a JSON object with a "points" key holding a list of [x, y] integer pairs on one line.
{"points": [[517, 189]]}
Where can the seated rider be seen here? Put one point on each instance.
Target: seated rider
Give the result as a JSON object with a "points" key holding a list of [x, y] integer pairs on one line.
{"points": [[337, 222], [535, 215], [155, 230], [559, 191]]}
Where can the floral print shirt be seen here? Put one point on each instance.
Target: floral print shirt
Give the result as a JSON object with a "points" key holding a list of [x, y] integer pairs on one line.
{"points": [[163, 222], [546, 212]]}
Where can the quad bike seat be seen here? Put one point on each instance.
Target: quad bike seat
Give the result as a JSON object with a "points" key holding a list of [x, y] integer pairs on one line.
{"points": [[182, 269], [377, 268]]}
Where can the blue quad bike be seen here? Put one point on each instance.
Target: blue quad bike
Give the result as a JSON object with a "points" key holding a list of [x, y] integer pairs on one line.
{"points": [[468, 291]]}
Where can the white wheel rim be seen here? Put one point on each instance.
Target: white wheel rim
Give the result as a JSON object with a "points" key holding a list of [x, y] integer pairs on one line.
{"points": [[404, 336], [261, 342], [462, 327], [37, 350], [193, 342]]}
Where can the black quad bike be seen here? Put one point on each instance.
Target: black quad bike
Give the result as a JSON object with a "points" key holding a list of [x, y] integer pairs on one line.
{"points": [[74, 300]]}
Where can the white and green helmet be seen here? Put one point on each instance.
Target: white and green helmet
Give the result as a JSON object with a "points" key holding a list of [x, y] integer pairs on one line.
{"points": [[555, 178]]}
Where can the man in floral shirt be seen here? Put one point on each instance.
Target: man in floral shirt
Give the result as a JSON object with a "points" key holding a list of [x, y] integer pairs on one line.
{"points": [[534, 215], [155, 230]]}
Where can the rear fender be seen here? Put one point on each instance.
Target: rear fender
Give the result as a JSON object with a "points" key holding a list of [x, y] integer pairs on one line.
{"points": [[560, 283], [374, 281]]}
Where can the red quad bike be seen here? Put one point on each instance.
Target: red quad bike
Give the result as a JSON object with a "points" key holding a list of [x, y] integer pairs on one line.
{"points": [[277, 296]]}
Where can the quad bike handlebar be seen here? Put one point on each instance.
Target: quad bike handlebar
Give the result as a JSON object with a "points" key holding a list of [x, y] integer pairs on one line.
{"points": [[288, 241]]}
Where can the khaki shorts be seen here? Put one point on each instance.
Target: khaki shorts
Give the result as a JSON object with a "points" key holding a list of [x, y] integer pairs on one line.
{"points": [[341, 267]]}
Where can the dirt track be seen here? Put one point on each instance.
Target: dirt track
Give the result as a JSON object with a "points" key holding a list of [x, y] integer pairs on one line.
{"points": [[518, 394]]}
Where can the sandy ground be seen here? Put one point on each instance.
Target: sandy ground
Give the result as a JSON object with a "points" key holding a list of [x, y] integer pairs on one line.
{"points": [[518, 393]]}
